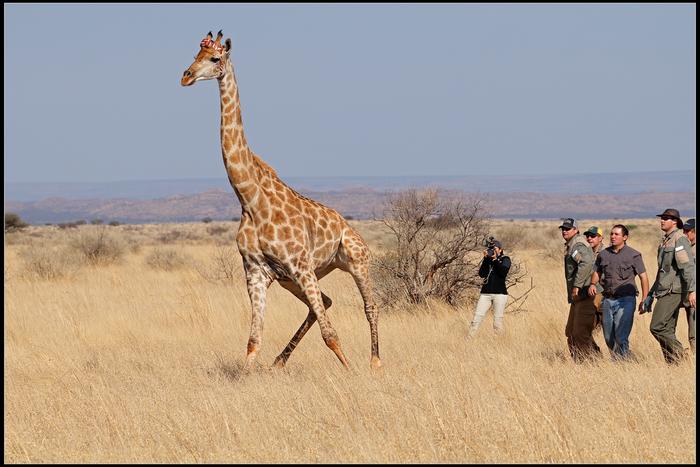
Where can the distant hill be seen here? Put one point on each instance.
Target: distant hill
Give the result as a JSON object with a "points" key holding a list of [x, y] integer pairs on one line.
{"points": [[536, 197], [604, 183]]}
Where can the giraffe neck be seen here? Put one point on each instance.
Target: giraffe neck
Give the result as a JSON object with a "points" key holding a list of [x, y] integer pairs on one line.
{"points": [[243, 172]]}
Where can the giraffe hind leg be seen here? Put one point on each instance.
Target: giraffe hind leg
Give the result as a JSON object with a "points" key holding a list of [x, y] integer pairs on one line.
{"points": [[356, 255]]}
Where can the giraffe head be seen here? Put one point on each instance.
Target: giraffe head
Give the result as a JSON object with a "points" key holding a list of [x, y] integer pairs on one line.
{"points": [[210, 62]]}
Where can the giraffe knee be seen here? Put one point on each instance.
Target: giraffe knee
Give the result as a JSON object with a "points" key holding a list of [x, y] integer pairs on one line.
{"points": [[371, 313], [253, 346]]}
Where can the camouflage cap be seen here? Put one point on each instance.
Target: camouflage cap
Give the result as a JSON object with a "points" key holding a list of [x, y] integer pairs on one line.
{"points": [[568, 223]]}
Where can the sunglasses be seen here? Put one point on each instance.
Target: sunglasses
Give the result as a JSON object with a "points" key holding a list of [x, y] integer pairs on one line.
{"points": [[666, 218], [565, 229], [590, 235]]}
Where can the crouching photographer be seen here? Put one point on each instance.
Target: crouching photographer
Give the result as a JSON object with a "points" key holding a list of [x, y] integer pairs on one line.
{"points": [[494, 269]]}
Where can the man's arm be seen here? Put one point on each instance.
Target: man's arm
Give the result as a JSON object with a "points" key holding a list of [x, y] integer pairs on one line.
{"points": [[644, 280], [686, 263], [502, 266], [584, 257], [593, 288]]}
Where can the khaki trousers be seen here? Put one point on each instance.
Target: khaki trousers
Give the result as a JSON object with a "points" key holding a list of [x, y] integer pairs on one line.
{"points": [[690, 314], [664, 319], [579, 329]]}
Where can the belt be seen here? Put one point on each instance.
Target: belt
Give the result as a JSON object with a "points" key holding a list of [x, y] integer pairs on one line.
{"points": [[614, 295]]}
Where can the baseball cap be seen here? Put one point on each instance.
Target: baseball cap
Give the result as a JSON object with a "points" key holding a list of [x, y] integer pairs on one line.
{"points": [[689, 224], [594, 231], [497, 244], [568, 223]]}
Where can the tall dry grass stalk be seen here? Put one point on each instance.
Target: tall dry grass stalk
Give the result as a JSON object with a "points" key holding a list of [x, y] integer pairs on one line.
{"points": [[127, 363]]}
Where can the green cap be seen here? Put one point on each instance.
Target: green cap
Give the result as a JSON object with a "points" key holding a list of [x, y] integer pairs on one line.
{"points": [[593, 231]]}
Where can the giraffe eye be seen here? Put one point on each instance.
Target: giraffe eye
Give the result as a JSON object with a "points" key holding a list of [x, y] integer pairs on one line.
{"points": [[215, 60]]}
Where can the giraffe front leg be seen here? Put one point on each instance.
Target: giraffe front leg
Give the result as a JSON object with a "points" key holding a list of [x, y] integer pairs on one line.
{"points": [[309, 285], [257, 282]]}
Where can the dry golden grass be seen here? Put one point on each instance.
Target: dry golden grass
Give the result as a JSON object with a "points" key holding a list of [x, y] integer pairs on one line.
{"points": [[124, 362]]}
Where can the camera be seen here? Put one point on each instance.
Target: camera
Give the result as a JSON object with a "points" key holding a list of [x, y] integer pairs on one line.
{"points": [[490, 245]]}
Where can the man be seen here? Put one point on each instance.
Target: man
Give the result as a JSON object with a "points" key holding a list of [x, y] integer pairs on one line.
{"points": [[615, 269], [689, 231], [674, 282], [594, 237], [578, 266], [494, 269]]}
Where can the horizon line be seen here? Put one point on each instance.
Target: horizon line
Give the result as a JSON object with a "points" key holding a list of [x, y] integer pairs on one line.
{"points": [[645, 172]]}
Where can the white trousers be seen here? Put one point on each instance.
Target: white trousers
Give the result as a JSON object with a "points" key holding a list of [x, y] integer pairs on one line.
{"points": [[483, 305]]}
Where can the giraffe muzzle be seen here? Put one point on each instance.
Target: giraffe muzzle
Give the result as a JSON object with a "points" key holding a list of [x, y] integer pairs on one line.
{"points": [[187, 78]]}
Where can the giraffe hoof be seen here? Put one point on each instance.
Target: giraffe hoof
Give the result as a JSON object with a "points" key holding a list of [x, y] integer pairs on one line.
{"points": [[278, 364]]}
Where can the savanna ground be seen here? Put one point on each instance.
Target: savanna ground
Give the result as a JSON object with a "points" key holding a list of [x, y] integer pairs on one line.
{"points": [[134, 354]]}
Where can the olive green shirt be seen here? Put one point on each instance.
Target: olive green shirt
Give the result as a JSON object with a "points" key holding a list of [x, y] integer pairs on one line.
{"points": [[676, 265], [578, 265]]}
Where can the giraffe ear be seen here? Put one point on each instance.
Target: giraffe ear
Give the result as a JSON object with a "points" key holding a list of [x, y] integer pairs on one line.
{"points": [[227, 43]]}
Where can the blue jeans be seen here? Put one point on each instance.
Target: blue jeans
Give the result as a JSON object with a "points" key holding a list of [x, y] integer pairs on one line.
{"points": [[618, 317]]}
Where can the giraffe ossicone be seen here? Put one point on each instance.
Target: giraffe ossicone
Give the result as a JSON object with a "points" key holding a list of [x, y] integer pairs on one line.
{"points": [[283, 236]]}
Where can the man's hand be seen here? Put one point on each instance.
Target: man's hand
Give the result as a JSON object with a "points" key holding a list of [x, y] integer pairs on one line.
{"points": [[592, 290], [574, 293], [691, 299]]}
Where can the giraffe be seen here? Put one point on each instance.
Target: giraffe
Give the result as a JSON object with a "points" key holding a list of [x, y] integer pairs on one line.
{"points": [[282, 235]]}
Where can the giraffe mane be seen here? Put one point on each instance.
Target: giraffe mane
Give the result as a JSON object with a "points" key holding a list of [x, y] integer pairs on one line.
{"points": [[264, 166]]}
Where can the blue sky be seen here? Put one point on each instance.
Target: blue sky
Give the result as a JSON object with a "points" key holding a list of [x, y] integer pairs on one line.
{"points": [[92, 92]]}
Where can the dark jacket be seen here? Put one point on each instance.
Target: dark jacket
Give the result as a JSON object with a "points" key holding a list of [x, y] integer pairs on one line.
{"points": [[494, 273]]}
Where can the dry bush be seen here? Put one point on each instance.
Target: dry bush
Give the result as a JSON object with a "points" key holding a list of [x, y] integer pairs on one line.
{"points": [[178, 235], [433, 254], [47, 262], [167, 259], [225, 265], [98, 246], [218, 229], [510, 236]]}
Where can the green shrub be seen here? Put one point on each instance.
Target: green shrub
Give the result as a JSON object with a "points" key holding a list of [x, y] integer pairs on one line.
{"points": [[14, 223]]}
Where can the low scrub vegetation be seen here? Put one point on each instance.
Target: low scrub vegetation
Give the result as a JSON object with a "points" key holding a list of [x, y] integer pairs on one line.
{"points": [[167, 259], [99, 246], [42, 261]]}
